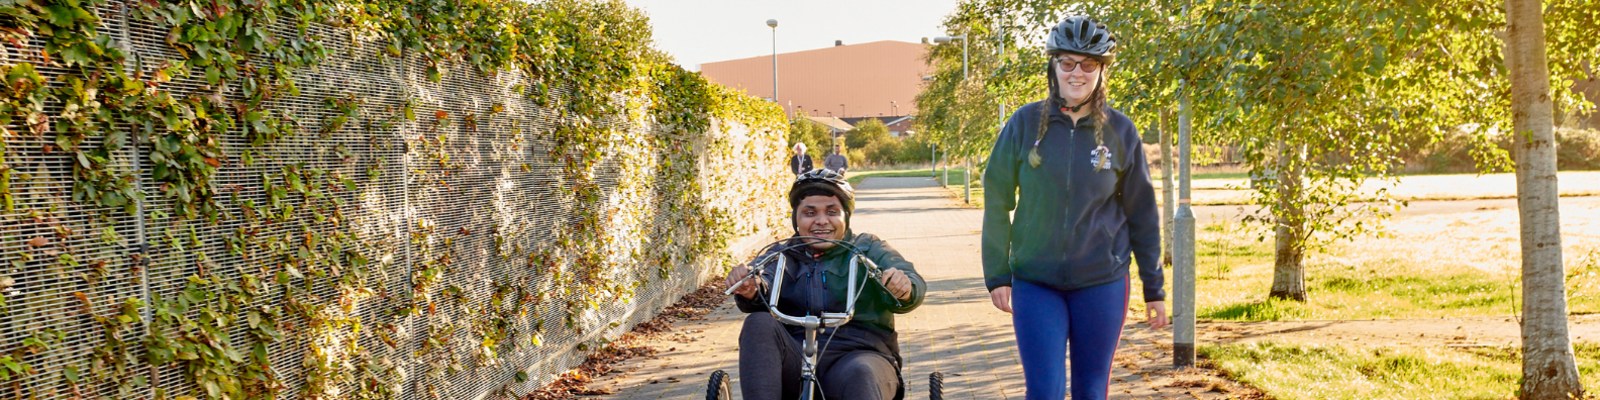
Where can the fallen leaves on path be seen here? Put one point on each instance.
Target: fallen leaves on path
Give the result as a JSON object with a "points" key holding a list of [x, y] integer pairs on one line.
{"points": [[575, 382]]}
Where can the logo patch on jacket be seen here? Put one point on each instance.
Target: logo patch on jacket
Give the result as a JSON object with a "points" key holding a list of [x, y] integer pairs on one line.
{"points": [[1100, 158]]}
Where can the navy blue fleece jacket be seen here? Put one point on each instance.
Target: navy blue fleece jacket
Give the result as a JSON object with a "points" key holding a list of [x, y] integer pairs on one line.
{"points": [[1074, 227]]}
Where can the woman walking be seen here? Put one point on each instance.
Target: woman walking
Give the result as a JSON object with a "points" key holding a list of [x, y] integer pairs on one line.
{"points": [[800, 163], [1060, 267]]}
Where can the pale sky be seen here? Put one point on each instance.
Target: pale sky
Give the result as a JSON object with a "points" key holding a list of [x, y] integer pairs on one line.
{"points": [[703, 31]]}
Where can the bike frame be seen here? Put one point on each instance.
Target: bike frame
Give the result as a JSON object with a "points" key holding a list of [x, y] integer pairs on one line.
{"points": [[812, 324]]}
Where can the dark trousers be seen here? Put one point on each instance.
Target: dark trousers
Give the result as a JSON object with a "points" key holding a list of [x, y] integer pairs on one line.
{"points": [[769, 366]]}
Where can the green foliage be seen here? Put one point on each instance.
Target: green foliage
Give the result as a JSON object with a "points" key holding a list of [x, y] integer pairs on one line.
{"points": [[869, 143], [818, 138], [914, 149], [192, 329], [1328, 92], [865, 133], [964, 115], [576, 57]]}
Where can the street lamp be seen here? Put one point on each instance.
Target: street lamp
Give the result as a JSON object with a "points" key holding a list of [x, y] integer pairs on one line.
{"points": [[774, 25], [894, 107], [963, 39]]}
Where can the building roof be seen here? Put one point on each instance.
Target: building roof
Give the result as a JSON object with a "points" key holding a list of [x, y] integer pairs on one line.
{"points": [[837, 124], [864, 77], [887, 120]]}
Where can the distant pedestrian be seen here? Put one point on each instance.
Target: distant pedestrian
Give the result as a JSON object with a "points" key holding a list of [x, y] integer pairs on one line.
{"points": [[801, 162], [836, 162]]}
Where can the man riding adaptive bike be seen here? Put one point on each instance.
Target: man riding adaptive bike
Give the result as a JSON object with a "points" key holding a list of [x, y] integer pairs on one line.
{"points": [[857, 361]]}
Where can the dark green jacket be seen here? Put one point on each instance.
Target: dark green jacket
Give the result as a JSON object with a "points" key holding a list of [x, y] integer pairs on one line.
{"points": [[814, 283]]}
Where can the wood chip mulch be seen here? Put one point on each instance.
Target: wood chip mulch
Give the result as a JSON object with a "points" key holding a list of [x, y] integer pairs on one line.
{"points": [[574, 382]]}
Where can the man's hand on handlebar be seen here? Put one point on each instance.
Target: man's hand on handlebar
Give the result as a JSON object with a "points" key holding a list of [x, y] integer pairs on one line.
{"points": [[897, 282], [749, 289]]}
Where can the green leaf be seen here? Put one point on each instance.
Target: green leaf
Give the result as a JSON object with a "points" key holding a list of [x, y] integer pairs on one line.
{"points": [[61, 15]]}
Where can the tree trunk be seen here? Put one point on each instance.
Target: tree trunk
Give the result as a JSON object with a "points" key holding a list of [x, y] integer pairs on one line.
{"points": [[1288, 273], [1167, 205], [1548, 368]]}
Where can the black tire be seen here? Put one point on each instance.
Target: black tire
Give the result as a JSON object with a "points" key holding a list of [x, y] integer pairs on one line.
{"points": [[936, 386], [719, 388]]}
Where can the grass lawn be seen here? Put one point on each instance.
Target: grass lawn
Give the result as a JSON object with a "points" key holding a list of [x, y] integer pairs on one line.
{"points": [[1450, 273], [958, 184], [855, 178], [1290, 372], [1426, 266]]}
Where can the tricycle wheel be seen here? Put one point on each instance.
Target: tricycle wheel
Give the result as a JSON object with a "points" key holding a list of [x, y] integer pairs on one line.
{"points": [[936, 386], [719, 388]]}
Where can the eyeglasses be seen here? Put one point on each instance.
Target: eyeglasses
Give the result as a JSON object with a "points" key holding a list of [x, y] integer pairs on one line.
{"points": [[1067, 65]]}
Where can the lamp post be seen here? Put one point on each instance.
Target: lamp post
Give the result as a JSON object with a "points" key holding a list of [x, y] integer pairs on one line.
{"points": [[963, 39], [774, 25], [895, 108], [966, 185], [1183, 246]]}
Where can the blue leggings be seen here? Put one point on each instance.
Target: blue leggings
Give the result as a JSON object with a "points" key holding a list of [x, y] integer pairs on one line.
{"points": [[1047, 321]]}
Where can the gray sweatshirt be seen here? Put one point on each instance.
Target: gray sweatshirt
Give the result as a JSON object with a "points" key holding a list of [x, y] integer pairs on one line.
{"points": [[836, 162]]}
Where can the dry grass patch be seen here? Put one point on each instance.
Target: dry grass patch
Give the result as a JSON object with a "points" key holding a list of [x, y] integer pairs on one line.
{"points": [[1332, 372]]}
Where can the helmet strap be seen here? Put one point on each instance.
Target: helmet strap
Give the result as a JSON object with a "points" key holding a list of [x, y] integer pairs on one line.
{"points": [[1091, 94]]}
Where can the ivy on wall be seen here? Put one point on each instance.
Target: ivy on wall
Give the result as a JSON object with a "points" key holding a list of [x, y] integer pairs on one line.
{"points": [[590, 61]]}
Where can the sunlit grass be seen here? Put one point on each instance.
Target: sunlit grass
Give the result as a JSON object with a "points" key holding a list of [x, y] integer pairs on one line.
{"points": [[1433, 266], [1333, 372], [855, 178], [955, 185]]}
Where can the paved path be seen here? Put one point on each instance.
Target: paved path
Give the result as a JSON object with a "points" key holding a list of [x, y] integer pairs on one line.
{"points": [[956, 331]]}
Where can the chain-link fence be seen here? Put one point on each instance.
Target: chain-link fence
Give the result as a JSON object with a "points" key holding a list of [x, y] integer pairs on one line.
{"points": [[399, 257]]}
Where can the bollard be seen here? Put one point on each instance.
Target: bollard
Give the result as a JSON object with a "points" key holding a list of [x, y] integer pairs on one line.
{"points": [[966, 185]]}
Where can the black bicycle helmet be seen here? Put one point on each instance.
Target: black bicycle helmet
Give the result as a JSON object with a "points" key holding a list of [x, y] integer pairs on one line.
{"points": [[826, 180], [1078, 35], [1082, 35]]}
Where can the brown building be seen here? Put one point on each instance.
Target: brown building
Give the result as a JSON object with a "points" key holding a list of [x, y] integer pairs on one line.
{"points": [[865, 78]]}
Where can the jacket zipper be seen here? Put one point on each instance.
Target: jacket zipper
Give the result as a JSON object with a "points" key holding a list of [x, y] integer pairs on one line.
{"points": [[1072, 140]]}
